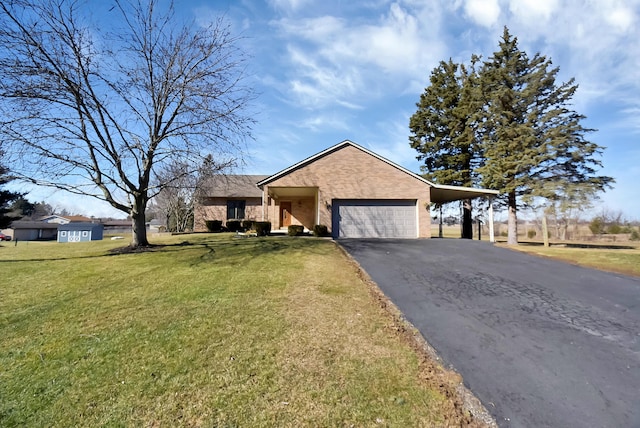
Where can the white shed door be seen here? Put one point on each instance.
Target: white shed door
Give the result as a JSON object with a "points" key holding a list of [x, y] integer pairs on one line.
{"points": [[354, 218]]}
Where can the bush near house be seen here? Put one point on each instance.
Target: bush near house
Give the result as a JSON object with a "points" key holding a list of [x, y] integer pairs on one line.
{"points": [[234, 225], [213, 225], [263, 228], [295, 230], [320, 230], [247, 224]]}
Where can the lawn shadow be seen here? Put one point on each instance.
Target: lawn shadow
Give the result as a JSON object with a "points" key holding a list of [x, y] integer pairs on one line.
{"points": [[216, 249]]}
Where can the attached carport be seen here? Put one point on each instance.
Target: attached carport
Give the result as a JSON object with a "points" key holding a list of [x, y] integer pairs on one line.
{"points": [[442, 194]]}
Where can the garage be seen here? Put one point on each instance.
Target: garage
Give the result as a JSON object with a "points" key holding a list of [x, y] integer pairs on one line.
{"points": [[375, 218]]}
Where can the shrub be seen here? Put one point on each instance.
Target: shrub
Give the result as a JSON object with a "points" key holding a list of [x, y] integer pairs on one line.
{"points": [[597, 226], [320, 230], [247, 224], [214, 225], [635, 236], [234, 225], [295, 230], [263, 228], [614, 229], [531, 233]]}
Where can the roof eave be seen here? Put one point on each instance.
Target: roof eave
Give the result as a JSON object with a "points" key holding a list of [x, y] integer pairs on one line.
{"points": [[332, 149]]}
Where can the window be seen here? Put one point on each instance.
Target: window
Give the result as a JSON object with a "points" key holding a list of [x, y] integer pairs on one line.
{"points": [[235, 209]]}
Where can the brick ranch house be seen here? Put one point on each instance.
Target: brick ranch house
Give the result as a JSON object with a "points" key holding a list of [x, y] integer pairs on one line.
{"points": [[354, 192]]}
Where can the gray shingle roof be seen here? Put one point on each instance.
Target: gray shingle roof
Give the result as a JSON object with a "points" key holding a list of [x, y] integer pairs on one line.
{"points": [[233, 186]]}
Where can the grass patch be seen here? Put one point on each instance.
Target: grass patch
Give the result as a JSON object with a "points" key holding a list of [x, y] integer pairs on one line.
{"points": [[206, 330], [625, 261]]}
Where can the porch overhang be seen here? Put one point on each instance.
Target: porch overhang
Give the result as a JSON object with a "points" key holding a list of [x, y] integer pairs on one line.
{"points": [[292, 192], [441, 194]]}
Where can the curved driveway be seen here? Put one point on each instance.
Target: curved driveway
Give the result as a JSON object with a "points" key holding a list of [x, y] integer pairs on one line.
{"points": [[541, 343]]}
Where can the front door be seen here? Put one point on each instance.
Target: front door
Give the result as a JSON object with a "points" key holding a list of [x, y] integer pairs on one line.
{"points": [[285, 214]]}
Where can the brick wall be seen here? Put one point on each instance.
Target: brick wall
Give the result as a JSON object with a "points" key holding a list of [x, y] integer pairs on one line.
{"points": [[350, 173], [216, 209]]}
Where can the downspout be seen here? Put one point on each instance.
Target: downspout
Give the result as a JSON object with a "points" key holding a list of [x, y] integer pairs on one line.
{"points": [[317, 206]]}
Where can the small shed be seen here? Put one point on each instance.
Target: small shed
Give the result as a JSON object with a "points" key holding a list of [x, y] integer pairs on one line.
{"points": [[80, 232]]}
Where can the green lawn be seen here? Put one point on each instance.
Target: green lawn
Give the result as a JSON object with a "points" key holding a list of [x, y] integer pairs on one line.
{"points": [[207, 330]]}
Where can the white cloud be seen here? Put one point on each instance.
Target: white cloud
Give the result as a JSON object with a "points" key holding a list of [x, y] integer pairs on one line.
{"points": [[593, 41], [533, 10], [332, 59], [621, 18], [318, 84], [482, 12], [288, 5]]}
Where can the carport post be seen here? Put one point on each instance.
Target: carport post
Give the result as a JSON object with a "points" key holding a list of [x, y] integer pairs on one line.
{"points": [[491, 236]]}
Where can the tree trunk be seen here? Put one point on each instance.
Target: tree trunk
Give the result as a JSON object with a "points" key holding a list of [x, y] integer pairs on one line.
{"points": [[138, 229], [545, 231], [467, 221], [512, 224]]}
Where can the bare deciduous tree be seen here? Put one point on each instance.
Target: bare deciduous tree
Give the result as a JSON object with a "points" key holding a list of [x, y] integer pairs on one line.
{"points": [[95, 109], [176, 201]]}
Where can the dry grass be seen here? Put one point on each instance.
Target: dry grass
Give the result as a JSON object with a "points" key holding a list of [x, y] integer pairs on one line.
{"points": [[623, 260], [208, 331]]}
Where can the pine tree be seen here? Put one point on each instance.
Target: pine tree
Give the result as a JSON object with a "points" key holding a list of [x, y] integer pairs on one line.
{"points": [[442, 130], [534, 144], [6, 198]]}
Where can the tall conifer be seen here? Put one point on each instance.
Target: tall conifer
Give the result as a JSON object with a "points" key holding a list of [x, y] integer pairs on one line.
{"points": [[507, 126], [534, 143], [442, 130]]}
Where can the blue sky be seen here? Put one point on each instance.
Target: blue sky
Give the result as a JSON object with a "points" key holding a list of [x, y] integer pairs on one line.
{"points": [[334, 70]]}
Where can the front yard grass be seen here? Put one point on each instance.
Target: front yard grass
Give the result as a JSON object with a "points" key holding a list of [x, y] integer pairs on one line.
{"points": [[207, 330]]}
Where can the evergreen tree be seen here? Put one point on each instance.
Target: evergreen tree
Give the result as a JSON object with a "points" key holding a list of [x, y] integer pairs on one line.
{"points": [[507, 126], [534, 144], [442, 130], [22, 207], [6, 199]]}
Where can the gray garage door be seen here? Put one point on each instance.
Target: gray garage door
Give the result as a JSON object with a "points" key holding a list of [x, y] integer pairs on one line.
{"points": [[374, 218]]}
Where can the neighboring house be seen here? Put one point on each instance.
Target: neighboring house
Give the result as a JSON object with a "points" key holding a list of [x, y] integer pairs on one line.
{"points": [[229, 197], [54, 218], [117, 226], [80, 232], [47, 228], [27, 230], [354, 192]]}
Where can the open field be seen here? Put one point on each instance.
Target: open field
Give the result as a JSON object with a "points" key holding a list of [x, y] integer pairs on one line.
{"points": [[621, 260], [207, 331], [609, 253]]}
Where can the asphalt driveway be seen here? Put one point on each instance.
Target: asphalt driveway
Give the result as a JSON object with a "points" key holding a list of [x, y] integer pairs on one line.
{"points": [[541, 343]]}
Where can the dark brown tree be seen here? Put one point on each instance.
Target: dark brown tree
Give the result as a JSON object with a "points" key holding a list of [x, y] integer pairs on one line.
{"points": [[93, 101]]}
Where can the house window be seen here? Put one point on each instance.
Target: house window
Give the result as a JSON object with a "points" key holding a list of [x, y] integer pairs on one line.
{"points": [[235, 209]]}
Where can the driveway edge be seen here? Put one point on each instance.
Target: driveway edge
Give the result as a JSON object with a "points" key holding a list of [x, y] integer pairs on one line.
{"points": [[465, 402]]}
